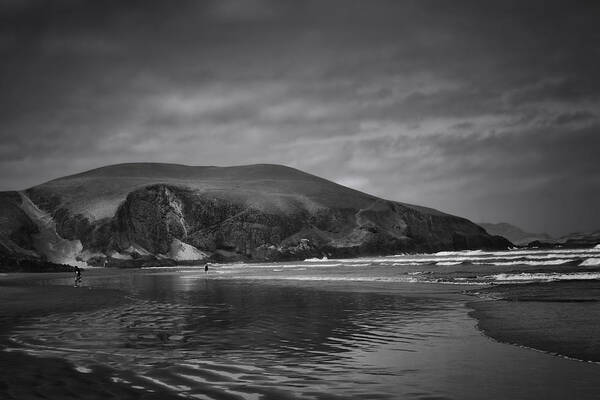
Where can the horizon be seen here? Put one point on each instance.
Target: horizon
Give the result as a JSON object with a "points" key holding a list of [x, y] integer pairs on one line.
{"points": [[485, 111]]}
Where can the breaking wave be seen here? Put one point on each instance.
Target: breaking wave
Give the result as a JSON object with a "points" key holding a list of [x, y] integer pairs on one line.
{"points": [[545, 277], [590, 262], [559, 261]]}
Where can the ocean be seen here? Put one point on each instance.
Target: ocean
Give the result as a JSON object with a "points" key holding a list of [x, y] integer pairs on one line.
{"points": [[517, 324]]}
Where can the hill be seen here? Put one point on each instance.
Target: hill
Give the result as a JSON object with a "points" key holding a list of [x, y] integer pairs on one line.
{"points": [[514, 233], [580, 239], [131, 214]]}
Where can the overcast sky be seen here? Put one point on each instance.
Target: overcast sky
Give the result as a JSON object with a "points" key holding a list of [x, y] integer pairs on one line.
{"points": [[488, 111]]}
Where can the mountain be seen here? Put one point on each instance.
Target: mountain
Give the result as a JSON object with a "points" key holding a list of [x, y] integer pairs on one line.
{"points": [[580, 239], [514, 233], [145, 213]]}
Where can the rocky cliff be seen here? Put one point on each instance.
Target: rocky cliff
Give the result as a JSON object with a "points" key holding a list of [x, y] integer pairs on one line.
{"points": [[131, 214]]}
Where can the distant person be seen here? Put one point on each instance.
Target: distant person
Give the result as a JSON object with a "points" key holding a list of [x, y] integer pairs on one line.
{"points": [[206, 268], [77, 276]]}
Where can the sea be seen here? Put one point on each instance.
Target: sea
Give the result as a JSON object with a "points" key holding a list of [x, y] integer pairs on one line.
{"points": [[514, 324]]}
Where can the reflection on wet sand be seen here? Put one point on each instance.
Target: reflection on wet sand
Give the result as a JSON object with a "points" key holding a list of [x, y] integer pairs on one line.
{"points": [[241, 339], [233, 334]]}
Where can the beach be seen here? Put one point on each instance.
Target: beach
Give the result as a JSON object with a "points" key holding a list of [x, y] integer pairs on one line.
{"points": [[287, 331]]}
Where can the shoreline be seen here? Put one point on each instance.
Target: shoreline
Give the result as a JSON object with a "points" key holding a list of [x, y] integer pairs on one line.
{"points": [[35, 376], [20, 264], [555, 318], [27, 296], [493, 335]]}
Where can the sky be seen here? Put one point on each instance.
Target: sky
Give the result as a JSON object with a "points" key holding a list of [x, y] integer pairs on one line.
{"points": [[487, 110]]}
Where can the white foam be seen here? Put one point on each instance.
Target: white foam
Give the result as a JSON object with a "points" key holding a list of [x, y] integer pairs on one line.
{"points": [[448, 263], [518, 252], [458, 253], [590, 262], [478, 256], [559, 261], [556, 276], [369, 260]]}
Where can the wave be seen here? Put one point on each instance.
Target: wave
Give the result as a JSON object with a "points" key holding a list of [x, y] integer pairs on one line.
{"points": [[486, 260], [363, 260], [559, 261], [409, 278], [448, 263], [517, 252], [275, 265], [489, 257], [467, 255], [458, 253], [545, 276], [590, 262]]}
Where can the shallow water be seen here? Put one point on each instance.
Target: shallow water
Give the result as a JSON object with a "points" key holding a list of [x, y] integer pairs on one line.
{"points": [[466, 267], [320, 329]]}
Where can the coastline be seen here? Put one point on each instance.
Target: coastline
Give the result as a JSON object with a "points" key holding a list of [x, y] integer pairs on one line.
{"points": [[551, 317], [28, 296]]}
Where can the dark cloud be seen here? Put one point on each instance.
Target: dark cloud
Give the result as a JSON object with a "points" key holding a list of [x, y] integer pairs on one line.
{"points": [[574, 117], [477, 109]]}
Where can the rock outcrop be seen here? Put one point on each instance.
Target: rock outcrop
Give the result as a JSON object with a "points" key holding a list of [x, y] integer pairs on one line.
{"points": [[135, 214]]}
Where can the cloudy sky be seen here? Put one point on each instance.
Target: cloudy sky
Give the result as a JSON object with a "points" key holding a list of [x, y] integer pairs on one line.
{"points": [[488, 111]]}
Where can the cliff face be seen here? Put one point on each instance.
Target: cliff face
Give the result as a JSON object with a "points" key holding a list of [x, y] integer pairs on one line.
{"points": [[136, 213], [16, 228]]}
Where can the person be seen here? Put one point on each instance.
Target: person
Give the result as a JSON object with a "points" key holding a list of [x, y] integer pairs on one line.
{"points": [[206, 268], [77, 276]]}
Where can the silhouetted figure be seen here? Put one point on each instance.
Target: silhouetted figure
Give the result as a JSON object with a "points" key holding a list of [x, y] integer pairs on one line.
{"points": [[206, 267], [77, 276]]}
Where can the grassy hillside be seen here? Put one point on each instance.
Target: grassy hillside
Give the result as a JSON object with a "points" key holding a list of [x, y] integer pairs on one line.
{"points": [[274, 188]]}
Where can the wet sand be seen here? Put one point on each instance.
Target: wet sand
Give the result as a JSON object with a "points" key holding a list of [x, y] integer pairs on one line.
{"points": [[26, 377], [32, 377], [248, 338], [554, 317]]}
